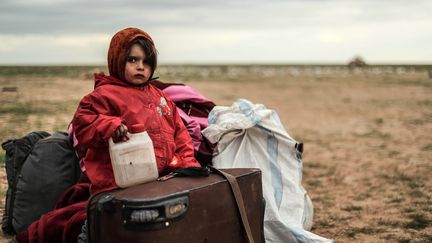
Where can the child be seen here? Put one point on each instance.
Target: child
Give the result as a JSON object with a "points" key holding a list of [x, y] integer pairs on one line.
{"points": [[126, 98]]}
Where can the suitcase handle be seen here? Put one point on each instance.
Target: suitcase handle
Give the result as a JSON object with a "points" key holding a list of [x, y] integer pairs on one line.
{"points": [[155, 215]]}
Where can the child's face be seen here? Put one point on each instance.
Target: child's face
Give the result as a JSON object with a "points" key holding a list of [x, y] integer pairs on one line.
{"points": [[137, 70]]}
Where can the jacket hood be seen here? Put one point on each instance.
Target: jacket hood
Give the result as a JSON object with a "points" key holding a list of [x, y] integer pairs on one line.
{"points": [[120, 44]]}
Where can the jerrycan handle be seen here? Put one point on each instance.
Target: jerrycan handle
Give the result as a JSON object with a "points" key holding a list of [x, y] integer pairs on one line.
{"points": [[111, 141], [135, 128]]}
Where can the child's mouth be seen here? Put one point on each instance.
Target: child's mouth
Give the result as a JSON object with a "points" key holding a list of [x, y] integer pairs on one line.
{"points": [[139, 76]]}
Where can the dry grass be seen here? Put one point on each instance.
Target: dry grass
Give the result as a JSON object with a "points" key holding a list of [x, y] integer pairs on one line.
{"points": [[368, 139]]}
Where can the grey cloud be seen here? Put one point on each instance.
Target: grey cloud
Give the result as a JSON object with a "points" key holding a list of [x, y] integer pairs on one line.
{"points": [[260, 31], [67, 16], [36, 17]]}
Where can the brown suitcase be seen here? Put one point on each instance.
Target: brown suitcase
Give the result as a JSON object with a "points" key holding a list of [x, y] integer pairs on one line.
{"points": [[181, 209]]}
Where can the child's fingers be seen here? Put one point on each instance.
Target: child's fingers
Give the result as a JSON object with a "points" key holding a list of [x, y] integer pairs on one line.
{"points": [[123, 130], [117, 132]]}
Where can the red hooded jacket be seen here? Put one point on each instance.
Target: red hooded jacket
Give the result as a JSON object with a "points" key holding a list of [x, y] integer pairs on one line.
{"points": [[114, 102]]}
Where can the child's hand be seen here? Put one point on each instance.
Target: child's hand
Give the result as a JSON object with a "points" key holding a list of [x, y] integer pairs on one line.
{"points": [[121, 133]]}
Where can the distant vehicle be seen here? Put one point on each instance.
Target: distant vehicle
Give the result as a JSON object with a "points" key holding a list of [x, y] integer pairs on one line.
{"points": [[357, 62]]}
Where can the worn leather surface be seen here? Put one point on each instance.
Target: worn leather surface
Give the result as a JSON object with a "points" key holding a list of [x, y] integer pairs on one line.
{"points": [[212, 215]]}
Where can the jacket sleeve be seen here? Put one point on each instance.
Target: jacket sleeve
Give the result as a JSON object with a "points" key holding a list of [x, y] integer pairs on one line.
{"points": [[93, 121], [184, 153]]}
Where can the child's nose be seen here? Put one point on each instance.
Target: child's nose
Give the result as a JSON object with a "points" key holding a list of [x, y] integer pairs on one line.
{"points": [[140, 65]]}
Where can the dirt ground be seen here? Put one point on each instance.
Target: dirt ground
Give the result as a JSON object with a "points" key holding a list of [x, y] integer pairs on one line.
{"points": [[367, 138]]}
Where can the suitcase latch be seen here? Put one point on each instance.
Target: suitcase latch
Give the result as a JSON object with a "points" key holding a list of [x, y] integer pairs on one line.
{"points": [[106, 203]]}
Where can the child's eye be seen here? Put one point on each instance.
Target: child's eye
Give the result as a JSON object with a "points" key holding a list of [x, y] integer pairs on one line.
{"points": [[131, 59]]}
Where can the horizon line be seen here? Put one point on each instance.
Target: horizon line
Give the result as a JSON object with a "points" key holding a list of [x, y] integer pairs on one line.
{"points": [[224, 64]]}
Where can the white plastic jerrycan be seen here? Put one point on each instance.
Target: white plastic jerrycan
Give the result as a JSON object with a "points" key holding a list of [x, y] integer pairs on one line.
{"points": [[133, 161]]}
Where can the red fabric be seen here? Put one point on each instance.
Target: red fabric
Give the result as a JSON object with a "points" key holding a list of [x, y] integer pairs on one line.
{"points": [[114, 102], [120, 44], [194, 110], [62, 224], [74, 194]]}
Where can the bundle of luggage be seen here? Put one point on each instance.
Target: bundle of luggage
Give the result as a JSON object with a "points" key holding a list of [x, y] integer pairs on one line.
{"points": [[243, 202], [40, 167]]}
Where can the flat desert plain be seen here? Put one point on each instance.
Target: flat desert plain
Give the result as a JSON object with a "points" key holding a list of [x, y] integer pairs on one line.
{"points": [[367, 136]]}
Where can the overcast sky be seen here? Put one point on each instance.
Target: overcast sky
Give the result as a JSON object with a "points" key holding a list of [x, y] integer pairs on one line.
{"points": [[219, 31]]}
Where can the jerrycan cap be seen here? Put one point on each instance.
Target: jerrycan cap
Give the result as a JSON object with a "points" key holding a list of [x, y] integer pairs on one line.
{"points": [[137, 128]]}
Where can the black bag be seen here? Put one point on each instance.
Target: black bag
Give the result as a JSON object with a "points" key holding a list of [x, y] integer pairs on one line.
{"points": [[39, 167]]}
